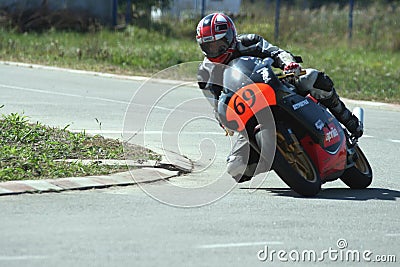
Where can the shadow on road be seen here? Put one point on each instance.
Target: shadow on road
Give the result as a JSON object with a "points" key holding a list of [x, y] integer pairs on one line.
{"points": [[341, 193]]}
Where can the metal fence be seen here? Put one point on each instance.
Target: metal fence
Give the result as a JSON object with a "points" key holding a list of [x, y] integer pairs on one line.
{"points": [[182, 8], [277, 18]]}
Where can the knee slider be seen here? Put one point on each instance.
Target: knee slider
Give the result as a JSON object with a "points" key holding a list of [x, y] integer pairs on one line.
{"points": [[239, 169], [323, 82], [235, 166]]}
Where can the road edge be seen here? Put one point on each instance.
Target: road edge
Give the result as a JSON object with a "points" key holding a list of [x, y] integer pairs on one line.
{"points": [[379, 105], [169, 167]]}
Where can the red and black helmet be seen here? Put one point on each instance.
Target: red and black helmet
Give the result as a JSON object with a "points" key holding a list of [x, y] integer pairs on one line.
{"points": [[216, 35]]}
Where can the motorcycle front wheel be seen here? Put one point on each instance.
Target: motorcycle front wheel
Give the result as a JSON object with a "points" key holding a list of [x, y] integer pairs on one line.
{"points": [[295, 168], [358, 176]]}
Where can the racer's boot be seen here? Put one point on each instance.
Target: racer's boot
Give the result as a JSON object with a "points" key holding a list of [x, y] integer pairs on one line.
{"points": [[342, 114]]}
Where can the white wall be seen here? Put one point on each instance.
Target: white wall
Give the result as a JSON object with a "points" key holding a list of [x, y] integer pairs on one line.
{"points": [[229, 6], [190, 7]]}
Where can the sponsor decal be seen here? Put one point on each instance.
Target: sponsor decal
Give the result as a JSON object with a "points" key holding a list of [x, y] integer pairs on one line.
{"points": [[331, 135], [208, 39], [265, 74], [319, 124], [300, 104]]}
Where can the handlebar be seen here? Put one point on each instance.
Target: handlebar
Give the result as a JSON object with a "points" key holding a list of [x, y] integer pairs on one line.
{"points": [[290, 74]]}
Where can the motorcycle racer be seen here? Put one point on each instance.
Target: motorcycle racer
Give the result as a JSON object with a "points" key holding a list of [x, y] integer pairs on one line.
{"points": [[220, 43]]}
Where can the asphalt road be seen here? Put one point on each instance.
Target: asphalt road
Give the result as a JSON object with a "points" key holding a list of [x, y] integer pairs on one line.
{"points": [[233, 226]]}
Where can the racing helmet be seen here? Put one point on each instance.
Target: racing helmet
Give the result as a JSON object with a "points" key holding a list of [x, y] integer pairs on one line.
{"points": [[216, 35]]}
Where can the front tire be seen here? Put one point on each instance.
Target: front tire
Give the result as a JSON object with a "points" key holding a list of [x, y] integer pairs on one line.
{"points": [[295, 168], [358, 176]]}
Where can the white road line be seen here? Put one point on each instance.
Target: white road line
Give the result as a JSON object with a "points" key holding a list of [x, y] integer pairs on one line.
{"points": [[61, 94], [393, 234], [22, 257], [367, 136], [234, 245], [390, 140], [74, 95], [36, 90]]}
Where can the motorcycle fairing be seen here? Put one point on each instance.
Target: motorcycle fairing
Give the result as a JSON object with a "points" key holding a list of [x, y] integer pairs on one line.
{"points": [[246, 92], [330, 166], [319, 123], [325, 142], [246, 102]]}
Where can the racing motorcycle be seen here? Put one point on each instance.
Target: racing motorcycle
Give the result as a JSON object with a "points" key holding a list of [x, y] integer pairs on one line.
{"points": [[311, 146]]}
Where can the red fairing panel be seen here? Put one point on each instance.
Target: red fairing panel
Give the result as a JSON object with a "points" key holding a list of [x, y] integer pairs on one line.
{"points": [[328, 163]]}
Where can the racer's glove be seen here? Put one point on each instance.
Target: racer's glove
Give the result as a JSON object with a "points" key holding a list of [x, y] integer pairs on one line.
{"points": [[294, 68]]}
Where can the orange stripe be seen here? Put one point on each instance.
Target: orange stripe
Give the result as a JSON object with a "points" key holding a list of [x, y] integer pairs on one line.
{"points": [[247, 101]]}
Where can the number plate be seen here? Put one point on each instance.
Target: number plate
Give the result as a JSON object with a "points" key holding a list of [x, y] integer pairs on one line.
{"points": [[247, 101]]}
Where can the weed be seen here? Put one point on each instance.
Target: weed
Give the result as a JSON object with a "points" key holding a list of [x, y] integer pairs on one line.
{"points": [[30, 150]]}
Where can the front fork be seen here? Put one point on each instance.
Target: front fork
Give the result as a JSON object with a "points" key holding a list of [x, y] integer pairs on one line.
{"points": [[352, 141]]}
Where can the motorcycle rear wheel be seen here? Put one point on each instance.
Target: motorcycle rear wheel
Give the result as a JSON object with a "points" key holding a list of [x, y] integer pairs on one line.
{"points": [[295, 168], [358, 176]]}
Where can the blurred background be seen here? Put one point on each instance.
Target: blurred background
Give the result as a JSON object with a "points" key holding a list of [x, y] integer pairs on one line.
{"points": [[357, 42]]}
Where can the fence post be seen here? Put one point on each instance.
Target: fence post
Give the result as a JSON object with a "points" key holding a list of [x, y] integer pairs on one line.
{"points": [[277, 15], [203, 8], [267, 4], [115, 12], [351, 20], [128, 16]]}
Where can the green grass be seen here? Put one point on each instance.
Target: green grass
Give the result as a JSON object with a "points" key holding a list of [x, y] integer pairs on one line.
{"points": [[360, 74], [367, 69], [136, 51], [29, 150]]}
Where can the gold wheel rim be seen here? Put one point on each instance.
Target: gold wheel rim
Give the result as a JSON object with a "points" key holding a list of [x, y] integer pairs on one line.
{"points": [[296, 157], [360, 163]]}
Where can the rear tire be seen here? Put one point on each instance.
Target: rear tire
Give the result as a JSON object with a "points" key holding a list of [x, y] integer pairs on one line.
{"points": [[295, 168], [358, 176]]}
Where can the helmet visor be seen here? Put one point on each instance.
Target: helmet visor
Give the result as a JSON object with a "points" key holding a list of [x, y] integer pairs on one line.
{"points": [[215, 48]]}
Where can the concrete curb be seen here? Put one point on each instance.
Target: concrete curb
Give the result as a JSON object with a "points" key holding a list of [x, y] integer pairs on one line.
{"points": [[143, 173]]}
